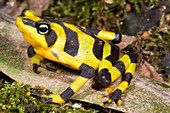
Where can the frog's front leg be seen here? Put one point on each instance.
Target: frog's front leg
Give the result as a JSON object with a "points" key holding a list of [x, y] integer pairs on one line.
{"points": [[38, 61], [126, 65], [86, 73]]}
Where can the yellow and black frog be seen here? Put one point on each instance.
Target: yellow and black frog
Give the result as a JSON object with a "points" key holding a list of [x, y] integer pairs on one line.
{"points": [[80, 48]]}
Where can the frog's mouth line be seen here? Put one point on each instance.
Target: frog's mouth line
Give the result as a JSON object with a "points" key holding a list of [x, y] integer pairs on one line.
{"points": [[19, 24]]}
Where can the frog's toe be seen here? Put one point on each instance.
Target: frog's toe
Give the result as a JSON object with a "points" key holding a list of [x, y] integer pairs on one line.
{"points": [[116, 96], [41, 95], [55, 98], [58, 71], [106, 102], [53, 70], [48, 100], [35, 68], [47, 91]]}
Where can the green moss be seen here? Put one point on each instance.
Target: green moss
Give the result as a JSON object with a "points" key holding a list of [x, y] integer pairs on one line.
{"points": [[163, 85], [14, 99]]}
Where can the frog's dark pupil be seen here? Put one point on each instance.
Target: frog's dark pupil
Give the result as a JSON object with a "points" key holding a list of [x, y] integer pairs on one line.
{"points": [[43, 29]]}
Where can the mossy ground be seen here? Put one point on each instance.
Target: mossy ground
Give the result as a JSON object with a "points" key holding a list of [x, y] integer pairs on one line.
{"points": [[14, 99]]}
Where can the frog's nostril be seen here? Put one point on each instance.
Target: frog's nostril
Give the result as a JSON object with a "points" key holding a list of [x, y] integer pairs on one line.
{"points": [[25, 21], [28, 22]]}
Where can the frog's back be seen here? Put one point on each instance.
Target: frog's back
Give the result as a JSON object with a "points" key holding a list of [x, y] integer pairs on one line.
{"points": [[65, 38], [85, 46]]}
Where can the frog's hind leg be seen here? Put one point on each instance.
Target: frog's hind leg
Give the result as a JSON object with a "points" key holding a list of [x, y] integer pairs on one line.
{"points": [[117, 91], [127, 65], [38, 61], [104, 76]]}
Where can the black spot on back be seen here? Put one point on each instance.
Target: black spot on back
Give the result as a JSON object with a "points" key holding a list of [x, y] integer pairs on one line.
{"points": [[98, 48], [72, 43]]}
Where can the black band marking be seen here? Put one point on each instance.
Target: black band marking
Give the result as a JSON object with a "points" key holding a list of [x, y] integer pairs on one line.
{"points": [[117, 39], [120, 66], [133, 58], [98, 48], [86, 71], [31, 51], [67, 94], [51, 38], [114, 56], [86, 31], [94, 31], [104, 78], [116, 95], [72, 43], [127, 77]]}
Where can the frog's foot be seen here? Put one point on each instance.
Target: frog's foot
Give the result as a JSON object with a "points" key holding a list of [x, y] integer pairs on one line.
{"points": [[115, 95], [55, 98], [53, 70], [37, 70]]}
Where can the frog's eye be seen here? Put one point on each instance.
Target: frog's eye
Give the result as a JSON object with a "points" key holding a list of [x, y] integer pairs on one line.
{"points": [[43, 29]]}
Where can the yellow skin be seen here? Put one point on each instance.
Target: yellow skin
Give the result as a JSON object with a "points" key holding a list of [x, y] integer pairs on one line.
{"points": [[79, 48]]}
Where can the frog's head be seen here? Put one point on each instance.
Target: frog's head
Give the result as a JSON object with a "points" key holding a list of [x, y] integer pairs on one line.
{"points": [[34, 29]]}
